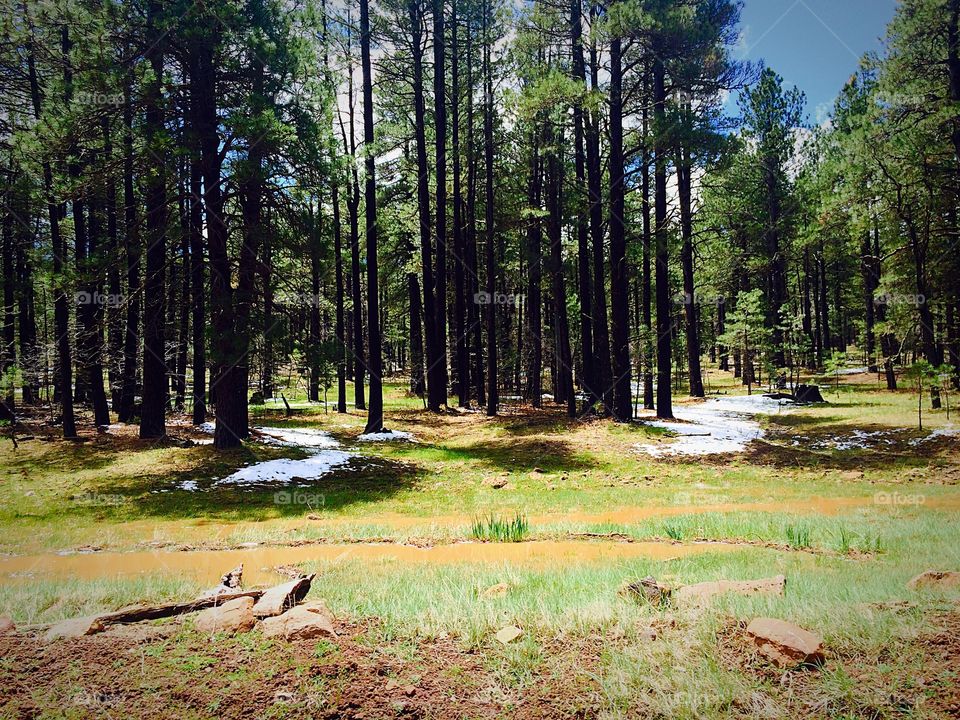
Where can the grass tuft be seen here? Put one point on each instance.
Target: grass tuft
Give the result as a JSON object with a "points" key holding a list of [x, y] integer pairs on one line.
{"points": [[496, 529], [798, 536]]}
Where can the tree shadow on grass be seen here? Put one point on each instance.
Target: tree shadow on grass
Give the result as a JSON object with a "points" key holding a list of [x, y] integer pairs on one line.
{"points": [[361, 480], [518, 455]]}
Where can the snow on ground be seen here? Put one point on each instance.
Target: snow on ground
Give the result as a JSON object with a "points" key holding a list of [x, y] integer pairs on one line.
{"points": [[296, 437], [718, 425], [850, 371], [207, 427], [948, 431], [387, 436], [286, 470]]}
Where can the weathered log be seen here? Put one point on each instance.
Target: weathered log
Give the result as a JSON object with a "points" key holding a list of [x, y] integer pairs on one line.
{"points": [[282, 597], [139, 613]]}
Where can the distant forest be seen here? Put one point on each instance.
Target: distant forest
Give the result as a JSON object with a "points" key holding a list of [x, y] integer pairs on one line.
{"points": [[570, 202]]}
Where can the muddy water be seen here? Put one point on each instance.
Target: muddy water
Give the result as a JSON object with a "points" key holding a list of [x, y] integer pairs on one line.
{"points": [[258, 563]]}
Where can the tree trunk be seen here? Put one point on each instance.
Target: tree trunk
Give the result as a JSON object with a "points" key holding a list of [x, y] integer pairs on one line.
{"points": [[662, 232], [438, 394], [152, 415], [131, 241], [489, 230], [619, 309], [534, 237], [459, 250], [686, 262], [375, 413]]}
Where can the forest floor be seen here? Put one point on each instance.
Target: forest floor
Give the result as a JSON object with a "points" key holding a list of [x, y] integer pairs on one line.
{"points": [[848, 500]]}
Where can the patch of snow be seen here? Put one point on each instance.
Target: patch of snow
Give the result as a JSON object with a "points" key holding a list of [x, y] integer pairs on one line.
{"points": [[188, 485], [948, 431], [850, 371], [718, 425], [296, 437], [286, 470], [207, 427], [387, 436]]}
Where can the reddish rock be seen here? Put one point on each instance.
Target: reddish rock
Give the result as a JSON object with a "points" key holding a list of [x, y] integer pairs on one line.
{"points": [[7, 626], [232, 617], [785, 644], [74, 628], [302, 622]]}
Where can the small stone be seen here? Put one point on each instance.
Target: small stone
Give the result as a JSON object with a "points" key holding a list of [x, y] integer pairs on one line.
{"points": [[785, 644], [495, 482], [508, 634], [74, 628], [7, 626], [232, 617], [495, 590]]}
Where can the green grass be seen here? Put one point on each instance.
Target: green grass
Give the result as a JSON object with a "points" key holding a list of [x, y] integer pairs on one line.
{"points": [[496, 529], [846, 567]]}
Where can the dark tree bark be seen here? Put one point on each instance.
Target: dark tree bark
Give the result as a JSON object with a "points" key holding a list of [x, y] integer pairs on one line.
{"points": [[375, 413], [686, 261], [340, 326], [423, 211], [646, 294], [473, 259], [8, 351], [132, 251], [601, 335], [489, 229], [152, 415], [565, 392], [459, 250], [198, 306], [661, 232], [619, 301], [584, 263], [438, 394], [534, 237], [114, 289]]}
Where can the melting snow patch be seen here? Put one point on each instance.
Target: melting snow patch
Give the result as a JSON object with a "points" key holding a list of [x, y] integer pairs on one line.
{"points": [[949, 431], [296, 437], [207, 427], [286, 470], [721, 425], [387, 436]]}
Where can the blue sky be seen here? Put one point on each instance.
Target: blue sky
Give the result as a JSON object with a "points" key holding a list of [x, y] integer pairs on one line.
{"points": [[813, 44]]}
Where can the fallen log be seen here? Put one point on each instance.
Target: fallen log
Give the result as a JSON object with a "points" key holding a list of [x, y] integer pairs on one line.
{"points": [[139, 613], [282, 597]]}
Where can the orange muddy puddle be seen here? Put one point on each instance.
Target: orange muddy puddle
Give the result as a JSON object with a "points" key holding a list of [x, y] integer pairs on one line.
{"points": [[208, 565]]}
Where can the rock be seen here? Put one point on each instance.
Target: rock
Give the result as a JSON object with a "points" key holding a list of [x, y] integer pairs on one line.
{"points": [[302, 622], [935, 579], [647, 590], [495, 482], [508, 634], [701, 592], [7, 626], [279, 598], [495, 590], [785, 644], [232, 617], [74, 628]]}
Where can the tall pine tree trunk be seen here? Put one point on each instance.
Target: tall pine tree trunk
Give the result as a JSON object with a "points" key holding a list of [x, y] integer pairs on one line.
{"points": [[661, 233]]}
